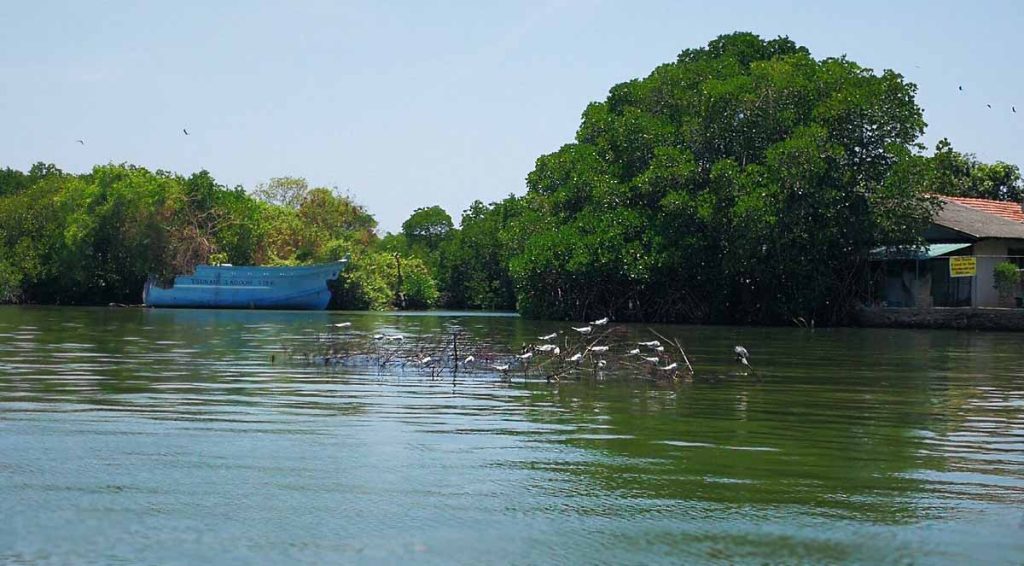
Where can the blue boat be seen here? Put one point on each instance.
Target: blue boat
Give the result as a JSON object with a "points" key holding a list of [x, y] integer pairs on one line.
{"points": [[247, 287]]}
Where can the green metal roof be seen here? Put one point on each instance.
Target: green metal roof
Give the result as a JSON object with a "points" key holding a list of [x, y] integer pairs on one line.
{"points": [[935, 250], [928, 252]]}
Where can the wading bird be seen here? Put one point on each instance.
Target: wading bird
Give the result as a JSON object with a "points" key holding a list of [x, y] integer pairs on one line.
{"points": [[600, 322], [551, 336], [468, 360], [599, 349], [576, 357], [742, 356], [651, 344], [583, 330]]}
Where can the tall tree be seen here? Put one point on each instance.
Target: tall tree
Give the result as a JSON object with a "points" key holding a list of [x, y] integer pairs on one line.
{"points": [[953, 173], [427, 226], [746, 181]]}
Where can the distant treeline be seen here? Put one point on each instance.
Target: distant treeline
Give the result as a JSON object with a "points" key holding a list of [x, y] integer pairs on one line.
{"points": [[95, 238], [746, 182]]}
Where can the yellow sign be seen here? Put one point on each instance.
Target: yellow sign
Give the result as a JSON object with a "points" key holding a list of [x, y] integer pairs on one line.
{"points": [[963, 266]]}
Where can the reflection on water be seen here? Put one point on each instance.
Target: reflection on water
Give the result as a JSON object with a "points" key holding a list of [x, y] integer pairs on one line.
{"points": [[169, 436]]}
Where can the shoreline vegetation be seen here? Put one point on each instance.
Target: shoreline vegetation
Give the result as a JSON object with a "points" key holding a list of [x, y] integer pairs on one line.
{"points": [[745, 183]]}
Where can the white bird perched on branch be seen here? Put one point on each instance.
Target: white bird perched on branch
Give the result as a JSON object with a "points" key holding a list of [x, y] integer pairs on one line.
{"points": [[551, 336], [600, 321], [669, 367], [546, 348], [634, 352], [525, 356], [468, 360], [583, 330], [598, 349], [576, 357], [651, 344], [652, 360], [424, 361], [503, 368]]}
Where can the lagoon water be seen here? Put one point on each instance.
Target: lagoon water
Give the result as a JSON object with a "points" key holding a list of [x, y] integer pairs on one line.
{"points": [[163, 436]]}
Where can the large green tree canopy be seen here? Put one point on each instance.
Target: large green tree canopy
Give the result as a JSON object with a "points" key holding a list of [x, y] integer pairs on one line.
{"points": [[746, 181]]}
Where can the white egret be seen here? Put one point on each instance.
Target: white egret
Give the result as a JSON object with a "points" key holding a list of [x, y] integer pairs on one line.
{"points": [[598, 349], [651, 344], [583, 330], [551, 336], [742, 356], [652, 360], [600, 322], [576, 357], [634, 352], [669, 367], [468, 360], [525, 356]]}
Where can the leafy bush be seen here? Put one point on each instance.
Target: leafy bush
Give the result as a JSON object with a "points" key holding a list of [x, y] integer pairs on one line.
{"points": [[1007, 277]]}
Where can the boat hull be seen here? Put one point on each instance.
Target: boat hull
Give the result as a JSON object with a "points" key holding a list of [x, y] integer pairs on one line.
{"points": [[247, 287]]}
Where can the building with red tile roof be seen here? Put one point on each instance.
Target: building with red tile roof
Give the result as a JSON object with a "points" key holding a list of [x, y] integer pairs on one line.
{"points": [[1008, 210], [982, 233]]}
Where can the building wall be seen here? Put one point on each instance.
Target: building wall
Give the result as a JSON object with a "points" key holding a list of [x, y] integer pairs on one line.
{"points": [[990, 254]]}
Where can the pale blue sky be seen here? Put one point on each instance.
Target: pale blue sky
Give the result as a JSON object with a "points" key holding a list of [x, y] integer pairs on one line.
{"points": [[408, 104]]}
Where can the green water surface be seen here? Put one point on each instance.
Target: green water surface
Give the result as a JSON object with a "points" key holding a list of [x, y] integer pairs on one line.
{"points": [[169, 437]]}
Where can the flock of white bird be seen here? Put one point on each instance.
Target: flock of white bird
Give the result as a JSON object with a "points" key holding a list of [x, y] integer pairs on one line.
{"points": [[589, 347]]}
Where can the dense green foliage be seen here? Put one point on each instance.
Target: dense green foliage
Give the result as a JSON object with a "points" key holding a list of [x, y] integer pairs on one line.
{"points": [[962, 175], [95, 238], [744, 182]]}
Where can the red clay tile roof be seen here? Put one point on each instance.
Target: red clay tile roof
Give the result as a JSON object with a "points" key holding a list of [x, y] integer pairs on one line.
{"points": [[1007, 210]]}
